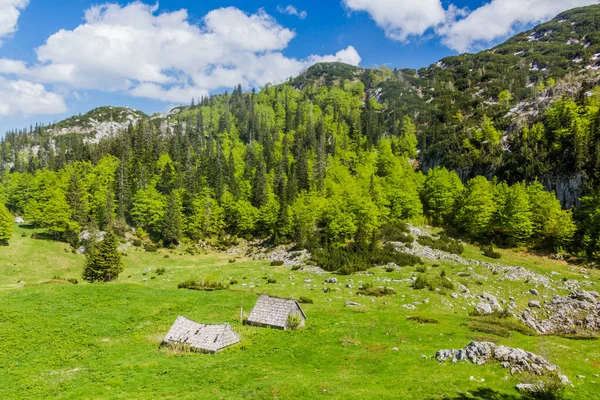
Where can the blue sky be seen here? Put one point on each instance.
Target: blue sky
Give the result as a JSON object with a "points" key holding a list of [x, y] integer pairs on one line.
{"points": [[59, 58]]}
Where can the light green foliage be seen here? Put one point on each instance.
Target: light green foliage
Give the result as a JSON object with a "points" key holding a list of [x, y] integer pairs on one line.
{"points": [[550, 222], [514, 215], [148, 208], [505, 97], [103, 262], [477, 208], [6, 225], [407, 142], [441, 191]]}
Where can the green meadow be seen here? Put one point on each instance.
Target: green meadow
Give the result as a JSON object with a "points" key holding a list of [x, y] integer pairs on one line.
{"points": [[98, 341]]}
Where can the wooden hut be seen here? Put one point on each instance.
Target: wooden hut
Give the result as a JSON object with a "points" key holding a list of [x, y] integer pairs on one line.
{"points": [[200, 337], [275, 312]]}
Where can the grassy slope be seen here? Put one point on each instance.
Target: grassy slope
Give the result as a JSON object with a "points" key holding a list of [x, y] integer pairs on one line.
{"points": [[101, 341]]}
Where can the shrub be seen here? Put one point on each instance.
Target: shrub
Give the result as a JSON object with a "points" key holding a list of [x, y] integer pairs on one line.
{"points": [[423, 320], [489, 251], [271, 281], [231, 260], [276, 263], [443, 243], [390, 269], [420, 282], [432, 283], [421, 268], [294, 321], [396, 232], [368, 289], [160, 271], [233, 282], [73, 281], [150, 247], [206, 284], [305, 300], [137, 242], [296, 267], [545, 387], [500, 325], [350, 259]]}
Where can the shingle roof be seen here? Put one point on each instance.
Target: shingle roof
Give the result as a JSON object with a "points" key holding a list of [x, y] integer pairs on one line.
{"points": [[273, 311], [209, 338]]}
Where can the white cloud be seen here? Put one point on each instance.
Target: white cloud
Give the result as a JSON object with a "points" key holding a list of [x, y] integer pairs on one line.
{"points": [[8, 66], [401, 18], [500, 18], [10, 10], [349, 56], [137, 50], [460, 28], [19, 97], [291, 10]]}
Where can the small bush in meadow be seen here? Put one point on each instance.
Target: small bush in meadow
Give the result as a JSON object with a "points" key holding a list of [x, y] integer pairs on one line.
{"points": [[490, 252], [271, 281], [423, 320], [305, 300], [294, 321], [160, 271], [150, 247], [205, 284], [276, 263], [368, 289]]}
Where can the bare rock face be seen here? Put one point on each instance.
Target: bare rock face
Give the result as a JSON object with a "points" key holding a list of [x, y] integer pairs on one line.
{"points": [[518, 360], [578, 312]]}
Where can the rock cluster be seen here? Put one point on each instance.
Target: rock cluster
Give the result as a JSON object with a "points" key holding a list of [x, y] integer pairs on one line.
{"points": [[579, 311], [518, 360], [488, 304]]}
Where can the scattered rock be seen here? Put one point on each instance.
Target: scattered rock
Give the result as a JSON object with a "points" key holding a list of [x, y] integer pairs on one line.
{"points": [[518, 360], [534, 292], [330, 280], [19, 220], [579, 311], [352, 304], [534, 304]]}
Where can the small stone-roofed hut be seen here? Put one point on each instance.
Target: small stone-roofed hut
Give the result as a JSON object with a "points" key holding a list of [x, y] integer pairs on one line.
{"points": [[200, 337], [274, 312]]}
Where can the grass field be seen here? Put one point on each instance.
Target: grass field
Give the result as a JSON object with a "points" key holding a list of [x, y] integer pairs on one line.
{"points": [[61, 340]]}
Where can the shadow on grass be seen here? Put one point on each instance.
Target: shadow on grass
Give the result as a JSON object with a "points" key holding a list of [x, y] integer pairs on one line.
{"points": [[484, 394]]}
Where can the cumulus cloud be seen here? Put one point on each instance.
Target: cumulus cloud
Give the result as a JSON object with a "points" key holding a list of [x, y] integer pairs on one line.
{"points": [[19, 97], [500, 18], [291, 10], [8, 66], [10, 10], [459, 28], [140, 51], [401, 19]]}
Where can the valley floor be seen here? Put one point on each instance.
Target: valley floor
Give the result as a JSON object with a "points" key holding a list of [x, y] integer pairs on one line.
{"points": [[61, 340]]}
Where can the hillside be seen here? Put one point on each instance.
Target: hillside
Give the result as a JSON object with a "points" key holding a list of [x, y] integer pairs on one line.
{"points": [[102, 340]]}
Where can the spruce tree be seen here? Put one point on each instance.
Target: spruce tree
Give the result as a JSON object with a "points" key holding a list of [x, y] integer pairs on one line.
{"points": [[103, 262], [6, 225], [171, 232]]}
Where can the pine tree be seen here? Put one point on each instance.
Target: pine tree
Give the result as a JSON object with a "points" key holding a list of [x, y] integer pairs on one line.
{"points": [[103, 263], [6, 225], [171, 232]]}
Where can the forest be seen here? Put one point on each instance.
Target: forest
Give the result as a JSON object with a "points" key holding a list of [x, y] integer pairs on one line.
{"points": [[317, 167]]}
